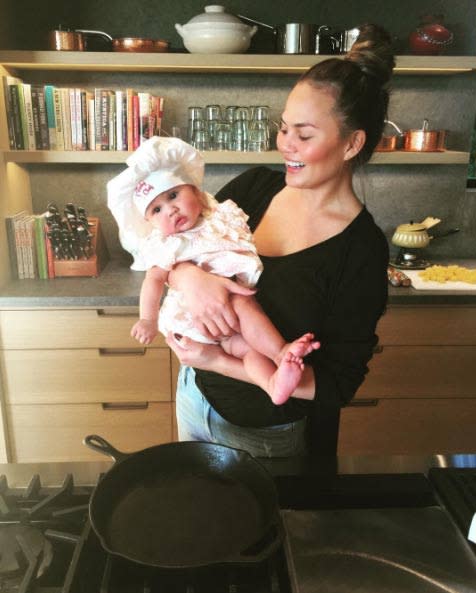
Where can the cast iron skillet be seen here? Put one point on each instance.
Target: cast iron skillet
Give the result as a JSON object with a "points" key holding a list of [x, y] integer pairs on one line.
{"points": [[185, 505]]}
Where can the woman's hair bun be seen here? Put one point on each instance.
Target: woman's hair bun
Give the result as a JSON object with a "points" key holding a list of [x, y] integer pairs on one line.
{"points": [[373, 52]]}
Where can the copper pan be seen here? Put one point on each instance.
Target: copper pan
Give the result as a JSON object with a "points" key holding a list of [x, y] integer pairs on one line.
{"points": [[425, 140], [139, 44], [390, 142]]}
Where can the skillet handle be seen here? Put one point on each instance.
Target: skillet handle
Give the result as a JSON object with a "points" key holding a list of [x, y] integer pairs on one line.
{"points": [[269, 548], [99, 444]]}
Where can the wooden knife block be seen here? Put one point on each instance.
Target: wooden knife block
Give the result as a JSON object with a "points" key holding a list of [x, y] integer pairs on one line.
{"points": [[86, 267]]}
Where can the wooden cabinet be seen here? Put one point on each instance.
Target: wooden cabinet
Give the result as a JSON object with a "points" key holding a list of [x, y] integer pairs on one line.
{"points": [[420, 394], [69, 373]]}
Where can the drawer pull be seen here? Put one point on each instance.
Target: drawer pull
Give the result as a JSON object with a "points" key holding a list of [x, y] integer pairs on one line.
{"points": [[116, 313], [363, 403], [122, 351], [125, 406]]}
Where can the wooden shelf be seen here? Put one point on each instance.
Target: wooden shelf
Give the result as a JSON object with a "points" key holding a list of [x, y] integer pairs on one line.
{"points": [[18, 60], [271, 157]]}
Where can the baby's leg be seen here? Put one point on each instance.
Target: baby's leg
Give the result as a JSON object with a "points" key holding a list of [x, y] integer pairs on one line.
{"points": [[259, 332]]}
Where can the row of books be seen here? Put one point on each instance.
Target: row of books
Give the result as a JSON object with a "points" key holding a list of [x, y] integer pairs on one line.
{"points": [[30, 251], [46, 117]]}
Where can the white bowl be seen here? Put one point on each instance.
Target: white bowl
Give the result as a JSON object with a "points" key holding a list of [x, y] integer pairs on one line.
{"points": [[215, 40], [216, 32]]}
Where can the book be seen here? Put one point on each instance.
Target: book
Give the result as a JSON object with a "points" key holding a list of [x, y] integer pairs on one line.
{"points": [[119, 120], [40, 241], [50, 115], [30, 143], [12, 249], [20, 244], [111, 127], [144, 116], [91, 120], [66, 118], [73, 120], [57, 96], [135, 123], [130, 93], [83, 110], [101, 108], [13, 127], [39, 117]]}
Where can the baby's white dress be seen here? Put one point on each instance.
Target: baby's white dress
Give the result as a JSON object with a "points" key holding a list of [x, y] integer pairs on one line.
{"points": [[220, 243]]}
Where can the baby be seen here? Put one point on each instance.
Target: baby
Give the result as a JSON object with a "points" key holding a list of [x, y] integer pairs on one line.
{"points": [[187, 224]]}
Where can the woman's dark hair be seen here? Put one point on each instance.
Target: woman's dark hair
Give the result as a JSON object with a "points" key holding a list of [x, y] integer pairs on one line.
{"points": [[360, 83]]}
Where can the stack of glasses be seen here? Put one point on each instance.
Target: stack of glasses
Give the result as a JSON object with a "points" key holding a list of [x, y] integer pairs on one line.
{"points": [[229, 128]]}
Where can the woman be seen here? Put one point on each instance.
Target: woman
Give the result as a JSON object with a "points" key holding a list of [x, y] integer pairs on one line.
{"points": [[324, 260]]}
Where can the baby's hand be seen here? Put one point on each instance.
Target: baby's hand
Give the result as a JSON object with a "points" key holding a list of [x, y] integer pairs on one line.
{"points": [[144, 331]]}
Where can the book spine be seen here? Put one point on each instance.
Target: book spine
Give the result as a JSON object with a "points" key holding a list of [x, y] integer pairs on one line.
{"points": [[102, 119], [50, 116], [17, 123], [39, 228], [73, 118], [112, 120], [58, 100], [66, 117], [130, 118], [119, 105], [135, 122], [12, 250], [160, 116], [44, 134], [30, 127], [124, 122], [31, 247], [84, 119], [9, 110], [91, 121]]}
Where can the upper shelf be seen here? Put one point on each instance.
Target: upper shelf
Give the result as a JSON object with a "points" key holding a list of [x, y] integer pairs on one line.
{"points": [[18, 60], [271, 157]]}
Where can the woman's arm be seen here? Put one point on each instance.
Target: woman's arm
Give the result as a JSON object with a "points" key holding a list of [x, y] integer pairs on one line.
{"points": [[207, 298], [151, 293]]}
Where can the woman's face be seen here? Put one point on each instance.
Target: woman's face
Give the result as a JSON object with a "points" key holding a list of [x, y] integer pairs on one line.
{"points": [[310, 139], [175, 210]]}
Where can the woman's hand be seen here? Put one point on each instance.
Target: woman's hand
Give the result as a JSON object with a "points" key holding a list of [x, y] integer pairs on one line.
{"points": [[195, 354], [207, 298]]}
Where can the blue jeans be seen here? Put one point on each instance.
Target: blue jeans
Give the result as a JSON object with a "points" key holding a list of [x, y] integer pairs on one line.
{"points": [[198, 421]]}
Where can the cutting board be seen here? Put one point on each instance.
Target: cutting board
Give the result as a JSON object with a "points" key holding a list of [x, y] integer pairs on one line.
{"points": [[420, 284]]}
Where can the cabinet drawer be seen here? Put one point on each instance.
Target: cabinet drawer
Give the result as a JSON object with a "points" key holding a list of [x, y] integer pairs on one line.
{"points": [[85, 376], [60, 328], [421, 371], [428, 325], [411, 427], [41, 433]]}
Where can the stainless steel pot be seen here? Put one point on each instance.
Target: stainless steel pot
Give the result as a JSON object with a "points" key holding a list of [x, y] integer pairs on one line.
{"points": [[290, 38]]}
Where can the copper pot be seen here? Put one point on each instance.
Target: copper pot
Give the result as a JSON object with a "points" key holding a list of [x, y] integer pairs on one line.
{"points": [[65, 40], [390, 142], [425, 140]]}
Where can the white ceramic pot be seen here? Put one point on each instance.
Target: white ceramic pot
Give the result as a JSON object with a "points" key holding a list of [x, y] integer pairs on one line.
{"points": [[216, 32]]}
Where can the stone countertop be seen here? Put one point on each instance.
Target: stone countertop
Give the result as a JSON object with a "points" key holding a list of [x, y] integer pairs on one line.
{"points": [[118, 286]]}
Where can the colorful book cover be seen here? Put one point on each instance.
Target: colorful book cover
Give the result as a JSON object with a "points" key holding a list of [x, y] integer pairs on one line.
{"points": [[83, 107], [101, 98], [10, 112], [111, 127], [50, 115], [16, 113]]}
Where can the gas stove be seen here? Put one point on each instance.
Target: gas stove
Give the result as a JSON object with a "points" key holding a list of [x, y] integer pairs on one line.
{"points": [[47, 544]]}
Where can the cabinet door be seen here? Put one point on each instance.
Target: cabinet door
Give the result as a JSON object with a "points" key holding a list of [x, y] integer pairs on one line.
{"points": [[81, 328], [421, 371], [85, 376], [408, 426], [47, 433], [428, 324]]}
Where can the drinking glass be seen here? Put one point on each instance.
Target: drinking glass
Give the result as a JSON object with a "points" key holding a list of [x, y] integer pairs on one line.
{"points": [[201, 140]]}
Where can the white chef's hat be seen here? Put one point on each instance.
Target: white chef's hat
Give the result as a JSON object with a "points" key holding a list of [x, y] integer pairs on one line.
{"points": [[177, 163]]}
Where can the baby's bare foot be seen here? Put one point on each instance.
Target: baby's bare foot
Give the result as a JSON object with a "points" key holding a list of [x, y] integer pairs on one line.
{"points": [[286, 378], [300, 347]]}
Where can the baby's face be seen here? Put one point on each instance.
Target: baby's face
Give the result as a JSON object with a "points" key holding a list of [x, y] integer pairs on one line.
{"points": [[175, 210]]}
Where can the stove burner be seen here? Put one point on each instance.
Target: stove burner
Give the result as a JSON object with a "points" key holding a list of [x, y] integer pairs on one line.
{"points": [[409, 259], [18, 543]]}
